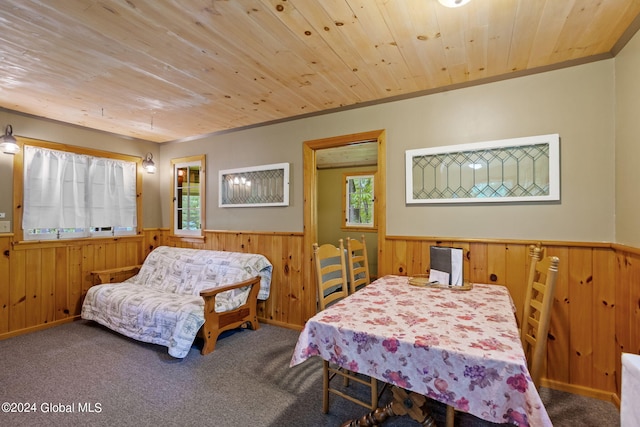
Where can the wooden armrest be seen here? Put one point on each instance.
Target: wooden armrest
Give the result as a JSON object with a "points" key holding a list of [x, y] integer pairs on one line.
{"points": [[207, 293], [216, 323], [117, 270], [114, 275]]}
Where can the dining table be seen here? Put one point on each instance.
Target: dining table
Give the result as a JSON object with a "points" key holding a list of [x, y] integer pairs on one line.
{"points": [[456, 345]]}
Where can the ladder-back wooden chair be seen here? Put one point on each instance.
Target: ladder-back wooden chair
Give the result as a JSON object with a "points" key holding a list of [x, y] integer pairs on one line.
{"points": [[358, 264], [541, 285], [332, 287], [331, 273]]}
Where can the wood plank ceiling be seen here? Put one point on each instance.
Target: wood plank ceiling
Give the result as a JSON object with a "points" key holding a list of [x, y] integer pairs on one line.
{"points": [[163, 70]]}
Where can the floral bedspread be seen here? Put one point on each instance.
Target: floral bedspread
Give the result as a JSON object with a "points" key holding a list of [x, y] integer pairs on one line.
{"points": [[458, 347], [162, 303]]}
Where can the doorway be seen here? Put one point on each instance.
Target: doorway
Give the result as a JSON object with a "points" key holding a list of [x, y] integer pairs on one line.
{"points": [[346, 189], [310, 156]]}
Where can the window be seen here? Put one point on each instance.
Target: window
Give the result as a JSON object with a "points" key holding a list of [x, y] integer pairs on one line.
{"points": [[509, 170], [266, 185], [188, 195], [71, 192], [359, 197]]}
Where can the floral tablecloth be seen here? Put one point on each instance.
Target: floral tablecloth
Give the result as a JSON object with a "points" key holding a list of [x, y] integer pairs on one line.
{"points": [[461, 348]]}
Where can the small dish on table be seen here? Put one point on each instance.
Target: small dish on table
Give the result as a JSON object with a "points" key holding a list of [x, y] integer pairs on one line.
{"points": [[423, 281]]}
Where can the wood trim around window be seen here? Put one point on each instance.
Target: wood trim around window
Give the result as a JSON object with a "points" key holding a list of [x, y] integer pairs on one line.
{"points": [[18, 177], [347, 227], [203, 179]]}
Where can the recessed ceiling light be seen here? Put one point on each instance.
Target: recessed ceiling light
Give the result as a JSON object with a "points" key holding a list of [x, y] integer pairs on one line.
{"points": [[453, 3]]}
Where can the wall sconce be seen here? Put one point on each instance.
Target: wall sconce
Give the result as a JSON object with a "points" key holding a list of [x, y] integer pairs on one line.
{"points": [[149, 164], [9, 144], [453, 3]]}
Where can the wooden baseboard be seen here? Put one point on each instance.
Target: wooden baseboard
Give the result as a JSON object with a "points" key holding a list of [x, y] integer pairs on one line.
{"points": [[38, 327], [582, 391], [281, 324]]}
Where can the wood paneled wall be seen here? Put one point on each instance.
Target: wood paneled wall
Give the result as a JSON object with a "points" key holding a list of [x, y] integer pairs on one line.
{"points": [[290, 296], [596, 313], [42, 284]]}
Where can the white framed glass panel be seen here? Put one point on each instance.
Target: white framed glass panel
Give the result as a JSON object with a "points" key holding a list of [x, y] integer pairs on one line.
{"points": [[266, 185], [510, 170]]}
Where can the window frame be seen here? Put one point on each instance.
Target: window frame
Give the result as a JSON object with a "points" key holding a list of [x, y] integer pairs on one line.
{"points": [[175, 164], [346, 225], [18, 187]]}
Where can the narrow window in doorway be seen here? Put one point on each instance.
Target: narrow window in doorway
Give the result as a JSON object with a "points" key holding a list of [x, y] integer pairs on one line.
{"points": [[358, 200], [188, 196]]}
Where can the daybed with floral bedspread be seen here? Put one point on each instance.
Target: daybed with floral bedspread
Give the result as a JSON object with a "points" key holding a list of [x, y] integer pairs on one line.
{"points": [[179, 292]]}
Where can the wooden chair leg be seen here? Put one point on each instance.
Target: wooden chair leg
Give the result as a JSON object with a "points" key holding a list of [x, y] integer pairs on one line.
{"points": [[325, 386], [374, 393], [328, 373], [451, 414]]}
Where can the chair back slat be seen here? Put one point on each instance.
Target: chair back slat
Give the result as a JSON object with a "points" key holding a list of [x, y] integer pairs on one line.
{"points": [[331, 273], [358, 263]]}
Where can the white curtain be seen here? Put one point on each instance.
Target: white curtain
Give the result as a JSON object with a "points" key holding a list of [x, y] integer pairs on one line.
{"points": [[68, 190], [54, 189], [112, 193]]}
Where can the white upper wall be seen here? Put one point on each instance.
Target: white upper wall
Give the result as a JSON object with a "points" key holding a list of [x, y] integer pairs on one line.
{"points": [[627, 64], [578, 103]]}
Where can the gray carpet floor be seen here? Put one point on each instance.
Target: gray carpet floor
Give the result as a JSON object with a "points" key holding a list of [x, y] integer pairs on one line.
{"points": [[81, 374]]}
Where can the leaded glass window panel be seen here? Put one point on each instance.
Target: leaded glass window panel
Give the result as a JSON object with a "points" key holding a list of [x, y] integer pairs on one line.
{"points": [[266, 185], [521, 169]]}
